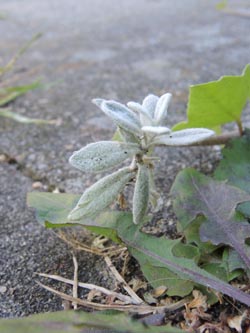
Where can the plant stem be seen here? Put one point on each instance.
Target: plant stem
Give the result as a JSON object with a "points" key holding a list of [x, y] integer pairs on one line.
{"points": [[240, 127]]}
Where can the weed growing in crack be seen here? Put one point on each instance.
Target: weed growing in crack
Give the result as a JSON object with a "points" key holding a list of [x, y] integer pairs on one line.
{"points": [[141, 127]]}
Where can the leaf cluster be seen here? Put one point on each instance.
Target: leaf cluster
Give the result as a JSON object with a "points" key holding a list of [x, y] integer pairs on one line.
{"points": [[140, 128], [212, 212]]}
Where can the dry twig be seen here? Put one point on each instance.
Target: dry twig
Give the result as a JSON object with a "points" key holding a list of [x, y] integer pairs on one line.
{"points": [[75, 284], [120, 279], [124, 298], [139, 309]]}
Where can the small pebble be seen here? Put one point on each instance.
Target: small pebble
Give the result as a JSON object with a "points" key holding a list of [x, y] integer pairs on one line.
{"points": [[3, 158], [69, 147], [3, 289], [37, 185]]}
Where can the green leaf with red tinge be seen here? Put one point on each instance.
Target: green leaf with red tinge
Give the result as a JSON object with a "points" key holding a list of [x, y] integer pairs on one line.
{"points": [[235, 167], [147, 249], [159, 253], [195, 194]]}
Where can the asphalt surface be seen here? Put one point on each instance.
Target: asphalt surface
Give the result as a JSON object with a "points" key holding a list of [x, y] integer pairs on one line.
{"points": [[120, 50]]}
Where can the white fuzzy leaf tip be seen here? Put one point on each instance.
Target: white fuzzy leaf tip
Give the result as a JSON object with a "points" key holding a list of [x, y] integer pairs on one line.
{"points": [[120, 114]]}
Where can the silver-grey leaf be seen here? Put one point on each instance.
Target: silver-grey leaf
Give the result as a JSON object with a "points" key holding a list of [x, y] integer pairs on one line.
{"points": [[155, 198], [121, 115], [103, 155], [161, 109], [156, 129], [145, 117], [141, 194], [183, 137], [101, 194], [149, 103], [128, 136]]}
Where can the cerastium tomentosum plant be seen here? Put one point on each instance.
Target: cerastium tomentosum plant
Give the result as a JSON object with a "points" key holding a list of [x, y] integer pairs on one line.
{"points": [[141, 127]]}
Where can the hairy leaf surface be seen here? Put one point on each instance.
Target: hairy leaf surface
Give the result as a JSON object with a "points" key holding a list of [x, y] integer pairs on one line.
{"points": [[141, 194], [101, 194], [121, 115], [102, 155], [235, 167]]}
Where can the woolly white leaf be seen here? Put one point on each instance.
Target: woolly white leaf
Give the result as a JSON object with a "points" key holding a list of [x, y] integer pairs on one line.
{"points": [[100, 195], [183, 137], [141, 194], [156, 129], [136, 107], [161, 109], [149, 103], [98, 101], [103, 155], [145, 117], [155, 198], [120, 114], [128, 136]]}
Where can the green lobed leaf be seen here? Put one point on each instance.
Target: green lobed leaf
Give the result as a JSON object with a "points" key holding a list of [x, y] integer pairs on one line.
{"points": [[235, 167], [232, 262], [158, 252], [192, 235], [219, 264], [80, 322], [195, 194], [159, 276], [218, 102], [103, 155]]}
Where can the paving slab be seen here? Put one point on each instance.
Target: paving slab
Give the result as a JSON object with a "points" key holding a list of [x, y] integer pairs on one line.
{"points": [[114, 49], [27, 248]]}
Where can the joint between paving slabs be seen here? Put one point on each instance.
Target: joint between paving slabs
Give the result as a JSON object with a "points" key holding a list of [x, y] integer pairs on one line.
{"points": [[38, 181]]}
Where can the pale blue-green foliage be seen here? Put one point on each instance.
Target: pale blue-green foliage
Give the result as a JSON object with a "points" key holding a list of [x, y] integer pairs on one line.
{"points": [[101, 194], [103, 155], [141, 127], [141, 193]]}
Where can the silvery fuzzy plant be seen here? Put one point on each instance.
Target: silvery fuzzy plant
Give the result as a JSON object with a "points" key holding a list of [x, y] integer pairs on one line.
{"points": [[141, 127]]}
